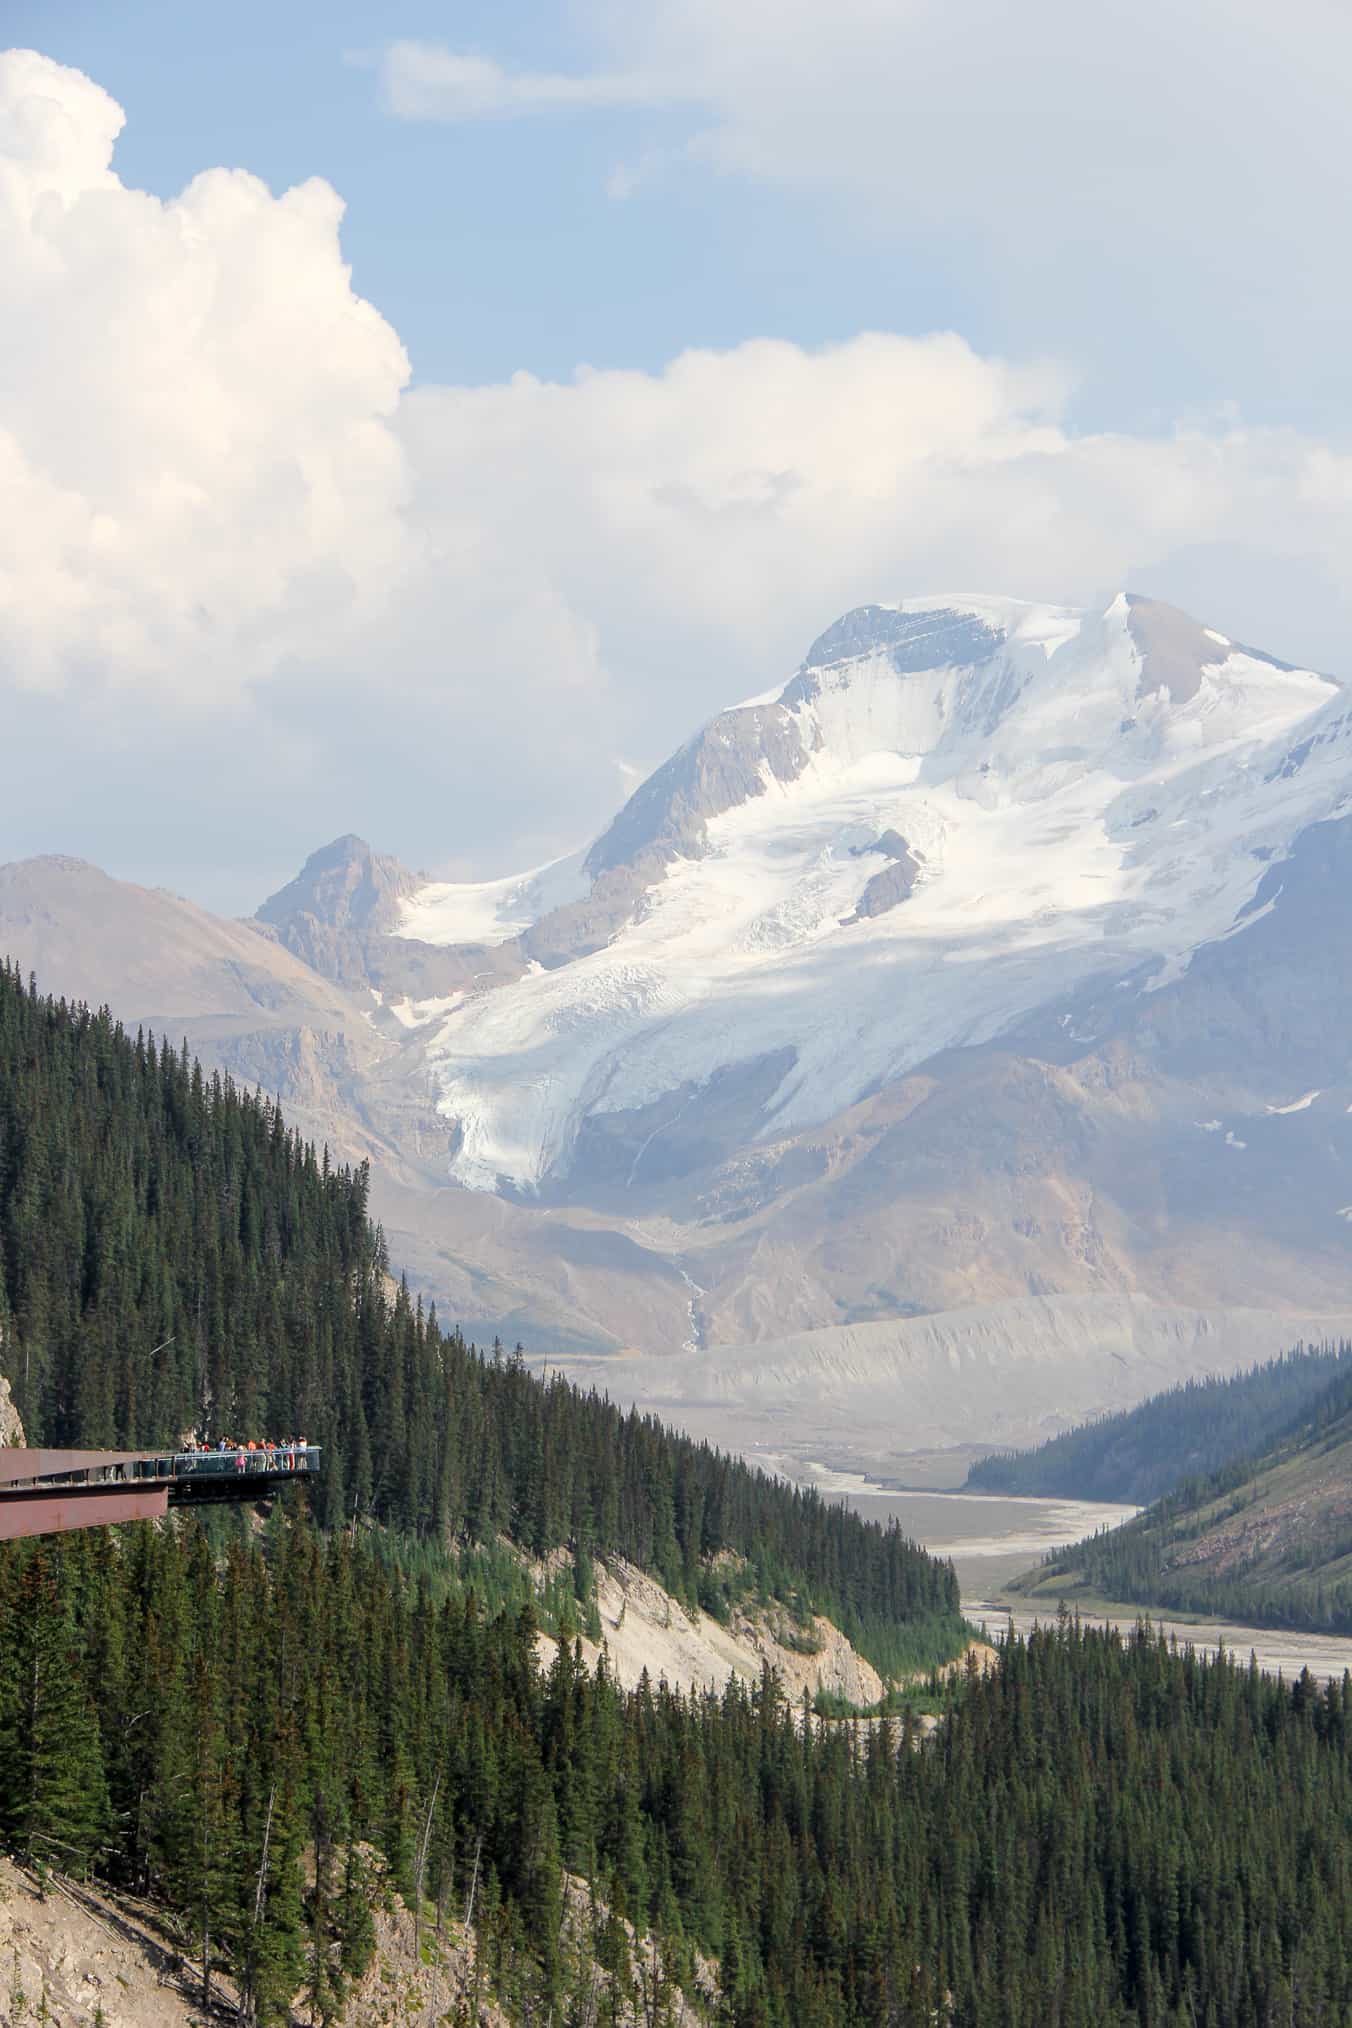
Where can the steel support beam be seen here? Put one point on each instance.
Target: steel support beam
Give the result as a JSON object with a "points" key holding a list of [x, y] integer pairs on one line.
{"points": [[35, 1512]]}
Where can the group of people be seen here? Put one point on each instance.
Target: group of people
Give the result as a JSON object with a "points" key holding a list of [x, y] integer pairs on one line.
{"points": [[259, 1457]]}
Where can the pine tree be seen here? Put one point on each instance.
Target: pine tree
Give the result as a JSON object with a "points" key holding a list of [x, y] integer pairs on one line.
{"points": [[53, 1792]]}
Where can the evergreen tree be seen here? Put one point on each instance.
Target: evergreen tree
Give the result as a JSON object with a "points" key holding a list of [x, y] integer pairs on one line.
{"points": [[53, 1791]]}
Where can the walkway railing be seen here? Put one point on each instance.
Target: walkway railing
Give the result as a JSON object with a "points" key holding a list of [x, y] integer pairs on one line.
{"points": [[183, 1468]]}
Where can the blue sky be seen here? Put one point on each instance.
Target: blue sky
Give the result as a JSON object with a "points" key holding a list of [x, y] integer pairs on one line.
{"points": [[493, 245], [716, 317]]}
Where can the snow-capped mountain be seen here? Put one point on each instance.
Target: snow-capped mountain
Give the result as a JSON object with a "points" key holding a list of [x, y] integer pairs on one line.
{"points": [[945, 1045], [957, 811]]}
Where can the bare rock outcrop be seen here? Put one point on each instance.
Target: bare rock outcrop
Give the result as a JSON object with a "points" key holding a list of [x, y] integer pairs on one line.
{"points": [[644, 1629], [11, 1429], [77, 1957]]}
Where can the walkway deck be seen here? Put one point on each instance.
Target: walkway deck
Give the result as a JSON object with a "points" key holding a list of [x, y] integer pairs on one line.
{"points": [[45, 1492]]}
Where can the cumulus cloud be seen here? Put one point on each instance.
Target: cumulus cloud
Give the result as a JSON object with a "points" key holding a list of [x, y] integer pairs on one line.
{"points": [[198, 475], [437, 615], [739, 498]]}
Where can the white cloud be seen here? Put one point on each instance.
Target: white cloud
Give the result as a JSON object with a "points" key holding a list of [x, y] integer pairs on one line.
{"points": [[438, 615], [198, 474], [1161, 187], [972, 108], [713, 517], [427, 81]]}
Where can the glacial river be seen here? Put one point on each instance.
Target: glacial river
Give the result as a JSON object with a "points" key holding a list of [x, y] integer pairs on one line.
{"points": [[992, 1538]]}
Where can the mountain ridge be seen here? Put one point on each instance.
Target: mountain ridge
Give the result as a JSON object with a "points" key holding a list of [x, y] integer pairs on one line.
{"points": [[1034, 867], [903, 991], [1265, 1538]]}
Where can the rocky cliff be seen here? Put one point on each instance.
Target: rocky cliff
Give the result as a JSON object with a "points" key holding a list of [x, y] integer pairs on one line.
{"points": [[11, 1429]]}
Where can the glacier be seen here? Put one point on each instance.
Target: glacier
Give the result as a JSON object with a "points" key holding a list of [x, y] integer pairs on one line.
{"points": [[1064, 795]]}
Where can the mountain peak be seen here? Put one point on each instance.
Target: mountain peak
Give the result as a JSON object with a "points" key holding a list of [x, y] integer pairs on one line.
{"points": [[1059, 795], [349, 846], [926, 638], [343, 895], [344, 885]]}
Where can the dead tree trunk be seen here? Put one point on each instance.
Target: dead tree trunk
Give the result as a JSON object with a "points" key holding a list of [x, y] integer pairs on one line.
{"points": [[422, 1868]]}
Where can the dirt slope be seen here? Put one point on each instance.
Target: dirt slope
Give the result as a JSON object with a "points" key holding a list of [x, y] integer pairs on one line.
{"points": [[643, 1627]]}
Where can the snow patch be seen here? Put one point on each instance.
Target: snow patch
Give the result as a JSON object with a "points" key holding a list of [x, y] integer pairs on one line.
{"points": [[1299, 1105], [490, 912], [417, 1013], [758, 702]]}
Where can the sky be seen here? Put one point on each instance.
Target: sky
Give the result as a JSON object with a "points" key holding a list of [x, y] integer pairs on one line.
{"points": [[416, 420]]}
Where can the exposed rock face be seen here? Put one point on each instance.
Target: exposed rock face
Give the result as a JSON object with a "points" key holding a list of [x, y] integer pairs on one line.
{"points": [[720, 768], [11, 1429], [935, 638], [344, 893], [895, 883], [644, 1629], [577, 928], [728, 763], [339, 914], [77, 1959], [1175, 650], [668, 818], [82, 1958], [245, 1004]]}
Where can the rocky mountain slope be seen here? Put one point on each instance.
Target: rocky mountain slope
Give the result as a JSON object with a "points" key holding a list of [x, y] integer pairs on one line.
{"points": [[244, 1003], [78, 1955], [959, 1010]]}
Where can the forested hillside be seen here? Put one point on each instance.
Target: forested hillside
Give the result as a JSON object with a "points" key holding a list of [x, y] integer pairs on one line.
{"points": [[173, 1258], [243, 1718], [1102, 1834], [1263, 1540], [1267, 1539], [1184, 1433]]}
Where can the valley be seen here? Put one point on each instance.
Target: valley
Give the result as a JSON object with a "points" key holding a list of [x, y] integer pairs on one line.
{"points": [[993, 1541], [572, 1609], [932, 1050]]}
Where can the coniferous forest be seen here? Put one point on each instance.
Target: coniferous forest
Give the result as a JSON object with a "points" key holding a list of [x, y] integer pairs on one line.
{"points": [[1184, 1433], [241, 1717], [173, 1258], [1266, 1539], [1101, 1833]]}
